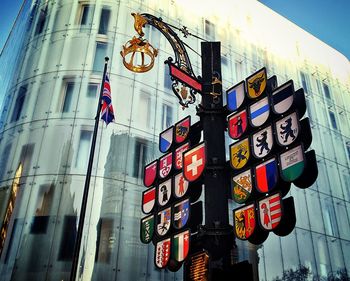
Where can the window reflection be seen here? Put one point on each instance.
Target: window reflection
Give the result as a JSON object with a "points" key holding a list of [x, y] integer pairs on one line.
{"points": [[87, 14], [104, 21], [18, 106], [83, 149], [68, 96], [100, 54]]}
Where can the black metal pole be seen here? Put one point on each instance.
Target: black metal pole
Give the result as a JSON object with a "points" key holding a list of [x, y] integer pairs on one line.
{"points": [[217, 234], [77, 244]]}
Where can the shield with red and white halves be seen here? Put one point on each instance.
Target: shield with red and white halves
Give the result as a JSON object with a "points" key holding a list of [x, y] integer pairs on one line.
{"points": [[270, 211], [244, 221], [180, 245], [165, 164], [162, 253], [182, 128], [150, 174], [148, 200], [194, 162], [178, 155], [237, 124]]}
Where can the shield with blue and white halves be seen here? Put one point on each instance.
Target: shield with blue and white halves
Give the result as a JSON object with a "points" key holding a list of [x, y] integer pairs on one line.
{"points": [[244, 221], [270, 211], [292, 163], [181, 213], [266, 175], [262, 142], [165, 165], [180, 245], [287, 129], [283, 98], [162, 253], [239, 154], [166, 139], [256, 83], [178, 155], [147, 229], [237, 124], [235, 96], [241, 186], [182, 129], [150, 173], [180, 185], [259, 112], [163, 221], [164, 192]]}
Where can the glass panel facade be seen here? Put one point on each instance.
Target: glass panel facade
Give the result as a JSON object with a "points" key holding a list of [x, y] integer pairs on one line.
{"points": [[54, 60]]}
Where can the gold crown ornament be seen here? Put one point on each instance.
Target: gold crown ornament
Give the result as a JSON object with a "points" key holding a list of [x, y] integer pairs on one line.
{"points": [[147, 55]]}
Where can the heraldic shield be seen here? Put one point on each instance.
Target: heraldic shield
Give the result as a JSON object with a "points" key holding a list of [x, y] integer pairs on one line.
{"points": [[256, 83], [164, 192], [194, 161], [178, 155], [292, 163], [283, 98], [165, 165], [148, 200], [162, 253], [182, 129], [166, 139], [180, 185], [237, 124], [244, 221], [259, 112], [287, 129], [266, 175], [262, 142], [150, 174], [235, 96], [180, 245], [270, 211], [147, 229], [163, 221], [242, 186], [239, 154], [181, 212]]}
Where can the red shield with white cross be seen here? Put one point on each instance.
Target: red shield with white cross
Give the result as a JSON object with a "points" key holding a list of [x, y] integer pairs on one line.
{"points": [[194, 162]]}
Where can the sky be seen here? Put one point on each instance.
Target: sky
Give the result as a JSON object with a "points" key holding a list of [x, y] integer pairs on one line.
{"points": [[329, 20]]}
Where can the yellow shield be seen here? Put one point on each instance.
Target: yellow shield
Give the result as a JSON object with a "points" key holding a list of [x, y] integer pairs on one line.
{"points": [[239, 154], [256, 83]]}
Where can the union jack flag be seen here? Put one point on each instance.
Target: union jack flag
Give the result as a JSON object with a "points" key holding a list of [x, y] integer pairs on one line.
{"points": [[107, 112]]}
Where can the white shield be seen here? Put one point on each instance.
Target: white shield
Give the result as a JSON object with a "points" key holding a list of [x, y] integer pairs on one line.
{"points": [[287, 129], [164, 192], [262, 142]]}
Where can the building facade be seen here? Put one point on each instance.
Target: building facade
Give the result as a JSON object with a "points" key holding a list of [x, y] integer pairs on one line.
{"points": [[51, 69]]}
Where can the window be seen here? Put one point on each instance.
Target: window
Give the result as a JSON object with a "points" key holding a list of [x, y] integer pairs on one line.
{"points": [[67, 238], [167, 116], [17, 110], [104, 20], [41, 21], [92, 90], [83, 149], [68, 96], [142, 149], [333, 120], [144, 110], [224, 60], [209, 29], [99, 60], [326, 91], [167, 79], [87, 14], [304, 81]]}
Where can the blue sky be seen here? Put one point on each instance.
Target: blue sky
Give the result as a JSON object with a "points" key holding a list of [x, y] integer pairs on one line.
{"points": [[329, 20]]}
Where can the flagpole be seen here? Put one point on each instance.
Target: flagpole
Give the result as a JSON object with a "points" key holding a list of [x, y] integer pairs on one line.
{"points": [[77, 243]]}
